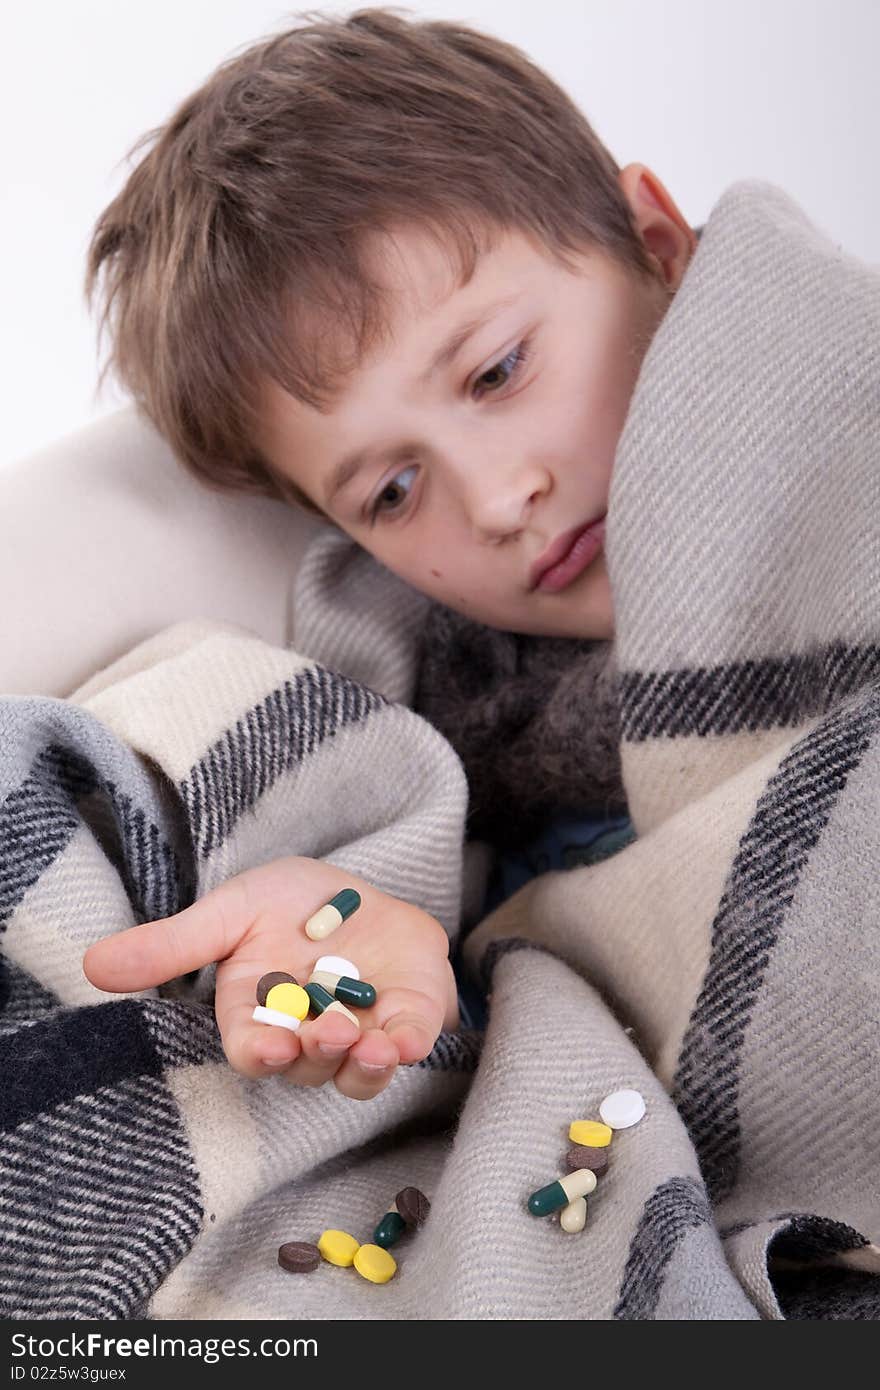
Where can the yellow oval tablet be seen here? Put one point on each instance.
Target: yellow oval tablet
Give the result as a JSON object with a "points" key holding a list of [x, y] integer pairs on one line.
{"points": [[375, 1264], [590, 1132], [338, 1248], [288, 999]]}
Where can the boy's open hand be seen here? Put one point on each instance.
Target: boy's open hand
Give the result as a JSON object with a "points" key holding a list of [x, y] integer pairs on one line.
{"points": [[255, 923]]}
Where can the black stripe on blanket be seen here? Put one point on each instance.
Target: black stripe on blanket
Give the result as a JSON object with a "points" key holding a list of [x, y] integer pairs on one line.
{"points": [[262, 746], [788, 822], [742, 696], [99, 1200], [673, 1208]]}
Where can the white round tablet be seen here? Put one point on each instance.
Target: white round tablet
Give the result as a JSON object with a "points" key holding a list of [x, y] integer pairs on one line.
{"points": [[338, 965], [622, 1109], [276, 1018]]}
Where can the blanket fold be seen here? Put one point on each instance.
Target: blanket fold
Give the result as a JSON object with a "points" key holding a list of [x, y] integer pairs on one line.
{"points": [[726, 963]]}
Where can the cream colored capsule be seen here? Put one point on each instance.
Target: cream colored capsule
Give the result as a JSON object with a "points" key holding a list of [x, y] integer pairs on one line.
{"points": [[325, 978], [574, 1216], [333, 914], [578, 1184]]}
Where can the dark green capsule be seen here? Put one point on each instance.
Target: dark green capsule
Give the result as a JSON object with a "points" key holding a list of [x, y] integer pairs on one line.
{"points": [[548, 1199], [389, 1230], [320, 997], [347, 901], [355, 992]]}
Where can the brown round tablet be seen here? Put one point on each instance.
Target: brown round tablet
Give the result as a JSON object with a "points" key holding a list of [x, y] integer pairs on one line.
{"points": [[580, 1156], [299, 1257], [267, 982], [413, 1205]]}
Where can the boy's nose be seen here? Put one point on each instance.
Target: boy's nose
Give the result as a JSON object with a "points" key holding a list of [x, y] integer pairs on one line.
{"points": [[500, 500]]}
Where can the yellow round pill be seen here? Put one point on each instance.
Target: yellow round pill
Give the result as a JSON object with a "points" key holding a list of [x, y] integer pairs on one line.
{"points": [[338, 1248], [375, 1264], [590, 1132], [288, 999]]}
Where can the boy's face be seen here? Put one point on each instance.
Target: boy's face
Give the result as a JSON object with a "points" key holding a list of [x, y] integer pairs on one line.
{"points": [[487, 463]]}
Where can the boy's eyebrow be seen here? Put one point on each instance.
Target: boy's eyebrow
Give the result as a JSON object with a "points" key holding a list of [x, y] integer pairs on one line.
{"points": [[349, 466]]}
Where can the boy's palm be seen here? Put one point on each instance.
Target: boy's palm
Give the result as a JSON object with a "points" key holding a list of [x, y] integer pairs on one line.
{"points": [[255, 923]]}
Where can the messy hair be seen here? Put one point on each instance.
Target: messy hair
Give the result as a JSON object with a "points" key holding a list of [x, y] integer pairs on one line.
{"points": [[241, 234]]}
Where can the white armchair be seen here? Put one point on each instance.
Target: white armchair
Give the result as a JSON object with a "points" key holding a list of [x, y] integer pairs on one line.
{"points": [[105, 539]]}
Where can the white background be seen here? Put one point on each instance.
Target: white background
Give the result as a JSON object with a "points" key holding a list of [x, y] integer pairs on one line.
{"points": [[702, 91]]}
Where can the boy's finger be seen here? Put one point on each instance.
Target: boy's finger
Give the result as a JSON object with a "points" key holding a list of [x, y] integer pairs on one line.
{"points": [[154, 952], [413, 1021], [369, 1066], [324, 1046]]}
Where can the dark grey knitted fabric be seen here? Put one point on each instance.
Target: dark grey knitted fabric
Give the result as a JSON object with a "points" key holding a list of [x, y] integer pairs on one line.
{"points": [[535, 721]]}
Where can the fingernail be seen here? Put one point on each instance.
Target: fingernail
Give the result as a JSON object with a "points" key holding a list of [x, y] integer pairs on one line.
{"points": [[374, 1066], [276, 1061], [333, 1049]]}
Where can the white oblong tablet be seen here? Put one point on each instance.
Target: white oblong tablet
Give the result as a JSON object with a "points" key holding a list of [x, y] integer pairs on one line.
{"points": [[622, 1109], [338, 965], [276, 1018]]}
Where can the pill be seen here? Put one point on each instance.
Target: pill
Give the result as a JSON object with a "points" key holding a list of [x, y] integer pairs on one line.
{"points": [[413, 1206], [558, 1194], [267, 982], [622, 1109], [579, 1156], [390, 1228], [589, 1133], [276, 1018], [355, 992], [375, 1264], [332, 914], [323, 1003], [574, 1216], [288, 999], [299, 1256], [338, 965], [338, 1248]]}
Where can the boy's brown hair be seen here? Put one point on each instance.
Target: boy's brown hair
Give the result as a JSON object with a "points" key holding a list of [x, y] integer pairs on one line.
{"points": [[239, 237]]}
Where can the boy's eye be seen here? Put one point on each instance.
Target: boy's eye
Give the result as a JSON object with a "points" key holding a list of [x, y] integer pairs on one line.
{"points": [[509, 367]]}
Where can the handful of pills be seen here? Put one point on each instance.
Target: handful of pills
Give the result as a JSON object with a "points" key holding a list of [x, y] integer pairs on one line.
{"points": [[284, 1003], [586, 1160]]}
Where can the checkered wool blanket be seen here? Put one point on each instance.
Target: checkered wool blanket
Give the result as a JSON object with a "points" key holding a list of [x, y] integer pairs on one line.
{"points": [[725, 963]]}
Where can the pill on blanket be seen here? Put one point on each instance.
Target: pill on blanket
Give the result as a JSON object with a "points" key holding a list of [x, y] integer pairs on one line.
{"points": [[276, 1018], [579, 1156], [338, 965], [558, 1194], [413, 1206], [267, 982], [375, 1264], [324, 1003], [589, 1133], [299, 1256], [574, 1216], [338, 1248], [622, 1109], [390, 1228], [355, 992], [288, 999], [333, 914]]}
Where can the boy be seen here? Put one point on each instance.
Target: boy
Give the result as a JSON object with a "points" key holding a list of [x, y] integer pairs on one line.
{"points": [[386, 271]]}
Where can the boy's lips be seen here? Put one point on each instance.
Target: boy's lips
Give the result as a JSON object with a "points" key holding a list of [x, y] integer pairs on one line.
{"points": [[563, 549]]}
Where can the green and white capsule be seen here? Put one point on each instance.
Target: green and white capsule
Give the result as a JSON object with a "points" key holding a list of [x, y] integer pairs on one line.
{"points": [[333, 914], [357, 993], [390, 1228], [323, 1002], [559, 1194]]}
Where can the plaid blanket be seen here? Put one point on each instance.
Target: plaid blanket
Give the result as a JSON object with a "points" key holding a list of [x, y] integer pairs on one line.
{"points": [[726, 963]]}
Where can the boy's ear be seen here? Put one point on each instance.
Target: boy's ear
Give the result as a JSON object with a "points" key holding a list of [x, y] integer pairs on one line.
{"points": [[668, 238]]}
